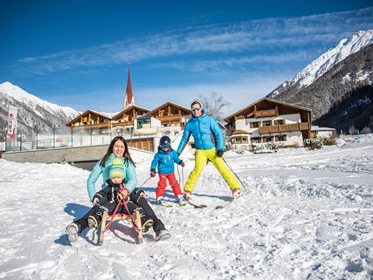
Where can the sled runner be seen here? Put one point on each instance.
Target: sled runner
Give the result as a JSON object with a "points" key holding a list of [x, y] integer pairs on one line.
{"points": [[108, 219]]}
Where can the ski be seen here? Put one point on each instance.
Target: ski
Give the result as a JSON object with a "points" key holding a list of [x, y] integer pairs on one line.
{"points": [[166, 204], [229, 203], [195, 205]]}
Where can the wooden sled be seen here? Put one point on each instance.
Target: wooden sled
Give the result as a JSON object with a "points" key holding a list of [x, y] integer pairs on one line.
{"points": [[134, 219]]}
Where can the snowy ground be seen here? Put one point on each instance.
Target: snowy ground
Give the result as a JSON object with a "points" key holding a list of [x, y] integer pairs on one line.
{"points": [[304, 215]]}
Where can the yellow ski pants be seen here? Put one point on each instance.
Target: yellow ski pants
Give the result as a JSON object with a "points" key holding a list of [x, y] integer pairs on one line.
{"points": [[201, 158]]}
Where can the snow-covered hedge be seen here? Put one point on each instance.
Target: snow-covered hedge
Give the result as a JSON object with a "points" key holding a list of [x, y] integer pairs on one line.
{"points": [[261, 148], [312, 144]]}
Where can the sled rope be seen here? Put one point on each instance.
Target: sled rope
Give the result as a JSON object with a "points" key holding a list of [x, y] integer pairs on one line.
{"points": [[121, 202]]}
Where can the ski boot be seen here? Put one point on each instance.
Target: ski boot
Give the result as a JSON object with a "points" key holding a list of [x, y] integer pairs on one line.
{"points": [[187, 195], [160, 201], [236, 193]]}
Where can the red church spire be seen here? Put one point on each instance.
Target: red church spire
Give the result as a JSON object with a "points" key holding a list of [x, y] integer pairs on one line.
{"points": [[129, 99], [129, 86]]}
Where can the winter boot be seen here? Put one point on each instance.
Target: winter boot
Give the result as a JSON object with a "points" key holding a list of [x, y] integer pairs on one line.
{"points": [[92, 222], [236, 193], [146, 223], [72, 231], [161, 233], [179, 198]]}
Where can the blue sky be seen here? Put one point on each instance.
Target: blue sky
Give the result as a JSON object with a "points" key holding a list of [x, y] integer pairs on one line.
{"points": [[76, 53]]}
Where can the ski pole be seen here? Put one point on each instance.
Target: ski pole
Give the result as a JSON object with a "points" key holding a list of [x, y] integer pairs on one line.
{"points": [[235, 174], [182, 176], [145, 182]]}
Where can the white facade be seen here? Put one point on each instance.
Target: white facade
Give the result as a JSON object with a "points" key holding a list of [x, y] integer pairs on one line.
{"points": [[252, 125], [324, 132]]}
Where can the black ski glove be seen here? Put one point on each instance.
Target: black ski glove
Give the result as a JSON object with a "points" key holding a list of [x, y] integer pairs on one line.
{"points": [[219, 153]]}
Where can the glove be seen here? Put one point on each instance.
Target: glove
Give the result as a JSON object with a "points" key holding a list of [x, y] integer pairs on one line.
{"points": [[182, 163], [152, 173], [140, 193], [219, 153]]}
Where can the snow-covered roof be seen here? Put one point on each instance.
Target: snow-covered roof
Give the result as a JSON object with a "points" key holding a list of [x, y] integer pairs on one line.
{"points": [[317, 128]]}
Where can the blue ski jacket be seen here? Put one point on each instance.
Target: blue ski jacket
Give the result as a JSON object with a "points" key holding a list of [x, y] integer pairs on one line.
{"points": [[205, 130], [165, 161], [129, 176]]}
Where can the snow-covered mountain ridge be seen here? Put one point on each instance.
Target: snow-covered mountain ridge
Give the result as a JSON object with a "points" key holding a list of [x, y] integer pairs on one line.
{"points": [[31, 100], [325, 62], [33, 112]]}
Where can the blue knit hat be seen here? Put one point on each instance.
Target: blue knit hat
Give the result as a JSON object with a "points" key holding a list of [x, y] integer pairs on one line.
{"points": [[117, 169]]}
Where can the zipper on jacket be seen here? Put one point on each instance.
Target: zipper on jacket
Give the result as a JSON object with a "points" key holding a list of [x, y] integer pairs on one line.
{"points": [[199, 130]]}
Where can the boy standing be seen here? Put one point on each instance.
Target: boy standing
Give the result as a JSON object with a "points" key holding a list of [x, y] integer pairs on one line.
{"points": [[164, 159]]}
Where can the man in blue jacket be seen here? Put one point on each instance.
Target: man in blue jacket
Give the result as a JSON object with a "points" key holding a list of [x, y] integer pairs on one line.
{"points": [[204, 129]]}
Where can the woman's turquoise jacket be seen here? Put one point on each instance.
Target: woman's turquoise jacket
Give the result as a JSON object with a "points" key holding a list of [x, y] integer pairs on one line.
{"points": [[129, 174]]}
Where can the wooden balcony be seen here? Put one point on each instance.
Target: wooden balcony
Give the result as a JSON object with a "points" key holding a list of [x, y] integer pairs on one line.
{"points": [[124, 123], [284, 128], [92, 126], [265, 113], [170, 118]]}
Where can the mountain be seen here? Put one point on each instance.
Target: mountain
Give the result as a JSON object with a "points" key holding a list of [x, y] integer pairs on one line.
{"points": [[33, 113], [332, 80]]}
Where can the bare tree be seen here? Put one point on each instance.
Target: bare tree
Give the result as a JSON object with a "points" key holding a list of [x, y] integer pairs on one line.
{"points": [[353, 130], [214, 104], [366, 130]]}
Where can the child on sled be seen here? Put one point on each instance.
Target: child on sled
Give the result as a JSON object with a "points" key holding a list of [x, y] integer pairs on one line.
{"points": [[107, 200], [164, 159]]}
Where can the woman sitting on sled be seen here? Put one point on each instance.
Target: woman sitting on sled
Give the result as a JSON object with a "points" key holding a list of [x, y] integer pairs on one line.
{"points": [[116, 167]]}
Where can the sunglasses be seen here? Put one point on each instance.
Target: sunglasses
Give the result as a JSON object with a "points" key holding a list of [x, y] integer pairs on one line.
{"points": [[196, 109], [118, 138]]}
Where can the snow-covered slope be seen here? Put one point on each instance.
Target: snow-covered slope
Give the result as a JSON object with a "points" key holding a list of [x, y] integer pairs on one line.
{"points": [[304, 215]]}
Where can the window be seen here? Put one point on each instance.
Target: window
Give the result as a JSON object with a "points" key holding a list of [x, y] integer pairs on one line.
{"points": [[141, 122], [254, 124], [267, 123], [280, 137], [279, 122], [256, 140], [267, 139], [240, 140]]}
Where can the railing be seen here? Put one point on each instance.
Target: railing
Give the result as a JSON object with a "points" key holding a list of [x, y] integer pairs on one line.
{"points": [[85, 136], [170, 118], [265, 113], [93, 126], [284, 128], [125, 123]]}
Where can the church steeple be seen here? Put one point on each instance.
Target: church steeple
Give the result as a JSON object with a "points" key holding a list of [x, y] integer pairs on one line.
{"points": [[129, 99]]}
